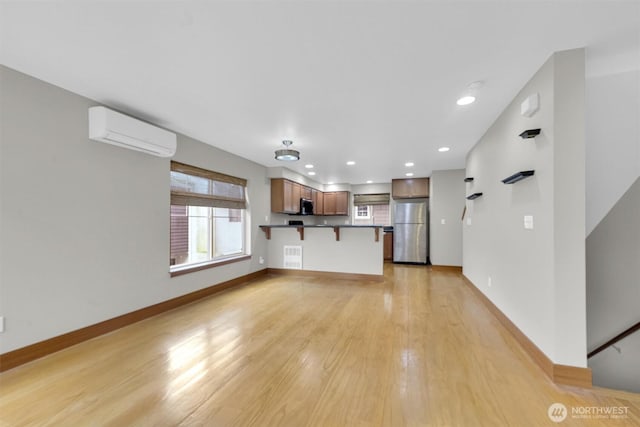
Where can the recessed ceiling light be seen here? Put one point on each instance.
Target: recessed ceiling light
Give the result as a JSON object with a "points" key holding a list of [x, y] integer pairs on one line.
{"points": [[312, 173], [409, 164], [369, 182], [408, 174], [476, 85], [351, 163], [309, 166], [443, 149], [466, 100]]}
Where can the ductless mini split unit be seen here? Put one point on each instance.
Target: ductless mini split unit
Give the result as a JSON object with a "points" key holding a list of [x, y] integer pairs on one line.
{"points": [[109, 126]]}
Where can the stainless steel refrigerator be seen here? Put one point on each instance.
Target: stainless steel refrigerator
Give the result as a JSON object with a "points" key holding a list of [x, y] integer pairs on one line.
{"points": [[410, 231]]}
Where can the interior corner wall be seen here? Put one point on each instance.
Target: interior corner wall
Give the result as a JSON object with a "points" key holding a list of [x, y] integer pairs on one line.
{"points": [[613, 270], [513, 266], [612, 206], [613, 138], [446, 202], [84, 226], [613, 292]]}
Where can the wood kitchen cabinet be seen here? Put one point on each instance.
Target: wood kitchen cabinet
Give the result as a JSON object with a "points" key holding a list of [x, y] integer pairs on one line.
{"points": [[410, 188], [342, 203], [318, 202], [306, 192], [285, 196], [329, 203], [336, 203], [387, 247]]}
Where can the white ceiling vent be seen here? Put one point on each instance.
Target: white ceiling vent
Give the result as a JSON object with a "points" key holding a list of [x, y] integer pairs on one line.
{"points": [[109, 126]]}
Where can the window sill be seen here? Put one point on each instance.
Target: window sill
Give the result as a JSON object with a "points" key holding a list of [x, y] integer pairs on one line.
{"points": [[211, 264]]}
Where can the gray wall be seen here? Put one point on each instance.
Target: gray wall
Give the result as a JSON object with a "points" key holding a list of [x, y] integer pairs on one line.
{"points": [[446, 202], [612, 212], [613, 292], [84, 226], [536, 277]]}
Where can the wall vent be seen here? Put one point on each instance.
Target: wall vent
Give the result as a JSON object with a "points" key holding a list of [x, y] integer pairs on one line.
{"points": [[293, 257]]}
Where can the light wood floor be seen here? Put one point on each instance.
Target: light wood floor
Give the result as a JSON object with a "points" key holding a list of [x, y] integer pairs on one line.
{"points": [[418, 349]]}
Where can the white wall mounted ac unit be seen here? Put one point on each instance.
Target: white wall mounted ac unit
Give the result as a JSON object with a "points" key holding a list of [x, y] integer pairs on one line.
{"points": [[109, 126]]}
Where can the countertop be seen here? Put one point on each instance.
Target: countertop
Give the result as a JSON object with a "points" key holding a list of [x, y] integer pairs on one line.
{"points": [[336, 228], [323, 226]]}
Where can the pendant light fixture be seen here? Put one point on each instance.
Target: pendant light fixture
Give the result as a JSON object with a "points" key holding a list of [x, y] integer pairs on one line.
{"points": [[286, 154]]}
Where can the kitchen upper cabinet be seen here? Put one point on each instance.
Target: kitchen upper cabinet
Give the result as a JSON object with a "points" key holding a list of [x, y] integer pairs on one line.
{"points": [[296, 193], [411, 188], [306, 192], [318, 202], [285, 196], [329, 204], [336, 203], [342, 203]]}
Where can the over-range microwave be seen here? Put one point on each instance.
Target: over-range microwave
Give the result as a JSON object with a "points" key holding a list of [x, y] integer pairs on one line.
{"points": [[306, 207]]}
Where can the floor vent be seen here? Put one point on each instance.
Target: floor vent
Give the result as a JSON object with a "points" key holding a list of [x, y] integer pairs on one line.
{"points": [[293, 257]]}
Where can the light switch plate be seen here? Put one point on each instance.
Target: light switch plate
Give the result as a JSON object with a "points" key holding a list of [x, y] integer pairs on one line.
{"points": [[528, 222], [468, 221], [443, 221], [1, 323]]}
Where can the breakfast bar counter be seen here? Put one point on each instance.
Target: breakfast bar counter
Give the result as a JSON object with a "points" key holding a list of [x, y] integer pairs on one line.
{"points": [[352, 249], [336, 229]]}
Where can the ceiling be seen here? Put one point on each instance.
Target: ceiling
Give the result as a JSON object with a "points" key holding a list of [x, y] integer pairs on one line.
{"points": [[370, 81]]}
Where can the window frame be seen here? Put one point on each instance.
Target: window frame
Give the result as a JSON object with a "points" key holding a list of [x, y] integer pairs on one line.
{"points": [[367, 216], [180, 197]]}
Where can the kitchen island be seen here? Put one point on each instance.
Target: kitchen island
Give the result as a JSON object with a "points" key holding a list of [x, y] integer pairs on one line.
{"points": [[355, 250]]}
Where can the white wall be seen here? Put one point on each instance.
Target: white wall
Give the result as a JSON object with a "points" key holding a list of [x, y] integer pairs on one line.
{"points": [[537, 276], [84, 226], [446, 202], [613, 137]]}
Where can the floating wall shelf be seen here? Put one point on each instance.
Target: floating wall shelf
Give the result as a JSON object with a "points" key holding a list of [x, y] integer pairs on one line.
{"points": [[530, 133], [517, 177], [474, 196], [468, 179]]}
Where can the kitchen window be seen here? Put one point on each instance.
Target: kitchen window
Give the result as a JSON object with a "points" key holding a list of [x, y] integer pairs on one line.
{"points": [[371, 209], [208, 219], [363, 212]]}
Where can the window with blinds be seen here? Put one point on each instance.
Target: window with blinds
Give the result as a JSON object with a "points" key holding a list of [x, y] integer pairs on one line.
{"points": [[207, 217], [371, 209]]}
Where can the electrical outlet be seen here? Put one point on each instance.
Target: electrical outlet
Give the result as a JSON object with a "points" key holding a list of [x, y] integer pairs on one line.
{"points": [[261, 260], [489, 282], [266, 219], [468, 221], [325, 222], [1, 323]]}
